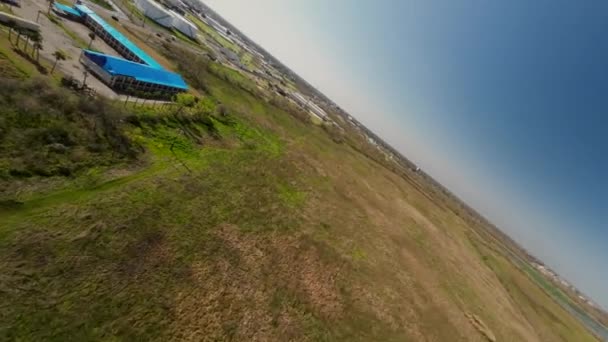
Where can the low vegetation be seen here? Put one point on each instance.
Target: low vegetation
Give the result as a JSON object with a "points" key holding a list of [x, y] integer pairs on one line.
{"points": [[10, 69], [56, 132], [6, 8]]}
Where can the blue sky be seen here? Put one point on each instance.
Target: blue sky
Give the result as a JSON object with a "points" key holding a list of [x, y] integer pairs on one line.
{"points": [[505, 102]]}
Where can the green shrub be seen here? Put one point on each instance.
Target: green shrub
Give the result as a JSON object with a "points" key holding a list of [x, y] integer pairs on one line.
{"points": [[48, 131]]}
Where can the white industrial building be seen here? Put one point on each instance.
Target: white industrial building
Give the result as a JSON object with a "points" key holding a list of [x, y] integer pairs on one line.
{"points": [[156, 12], [183, 25], [19, 22], [166, 17]]}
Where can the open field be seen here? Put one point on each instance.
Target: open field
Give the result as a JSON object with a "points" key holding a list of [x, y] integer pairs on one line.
{"points": [[234, 219]]}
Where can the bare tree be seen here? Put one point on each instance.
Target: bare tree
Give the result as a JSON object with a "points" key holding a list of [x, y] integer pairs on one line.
{"points": [[84, 79]]}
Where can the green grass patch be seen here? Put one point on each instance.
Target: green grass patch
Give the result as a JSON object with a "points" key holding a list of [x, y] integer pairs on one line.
{"points": [[253, 138], [9, 69], [359, 254], [6, 8], [13, 65], [248, 61], [232, 76], [291, 196]]}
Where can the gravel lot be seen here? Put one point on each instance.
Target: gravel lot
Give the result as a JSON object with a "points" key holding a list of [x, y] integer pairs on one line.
{"points": [[55, 38]]}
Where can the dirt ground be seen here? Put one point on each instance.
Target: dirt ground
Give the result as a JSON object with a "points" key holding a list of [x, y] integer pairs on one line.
{"points": [[55, 38]]}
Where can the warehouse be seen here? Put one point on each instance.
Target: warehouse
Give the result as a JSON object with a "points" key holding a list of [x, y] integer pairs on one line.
{"points": [[184, 26], [167, 18], [137, 73], [155, 12], [131, 77], [67, 12], [114, 38]]}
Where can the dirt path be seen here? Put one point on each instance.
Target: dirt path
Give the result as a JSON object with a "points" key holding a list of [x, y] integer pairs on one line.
{"points": [[71, 195]]}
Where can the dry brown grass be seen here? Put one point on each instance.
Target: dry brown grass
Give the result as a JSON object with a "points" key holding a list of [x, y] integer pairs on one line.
{"points": [[421, 275], [256, 288]]}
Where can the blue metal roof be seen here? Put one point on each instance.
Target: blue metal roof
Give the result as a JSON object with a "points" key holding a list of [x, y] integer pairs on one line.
{"points": [[83, 9], [119, 37], [119, 66], [67, 9]]}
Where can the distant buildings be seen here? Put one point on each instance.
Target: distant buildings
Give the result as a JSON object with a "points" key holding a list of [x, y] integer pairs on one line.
{"points": [[230, 56], [309, 105], [547, 272], [166, 17]]}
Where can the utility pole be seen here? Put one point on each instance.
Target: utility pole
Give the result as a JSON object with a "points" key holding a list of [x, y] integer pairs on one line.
{"points": [[84, 79]]}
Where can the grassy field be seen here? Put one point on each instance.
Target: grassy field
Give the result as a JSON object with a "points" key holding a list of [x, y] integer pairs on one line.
{"points": [[10, 68], [231, 219], [6, 8], [13, 64]]}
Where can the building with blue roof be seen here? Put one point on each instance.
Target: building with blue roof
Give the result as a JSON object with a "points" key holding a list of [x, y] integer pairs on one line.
{"points": [[127, 76], [66, 11], [114, 38], [136, 72]]}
